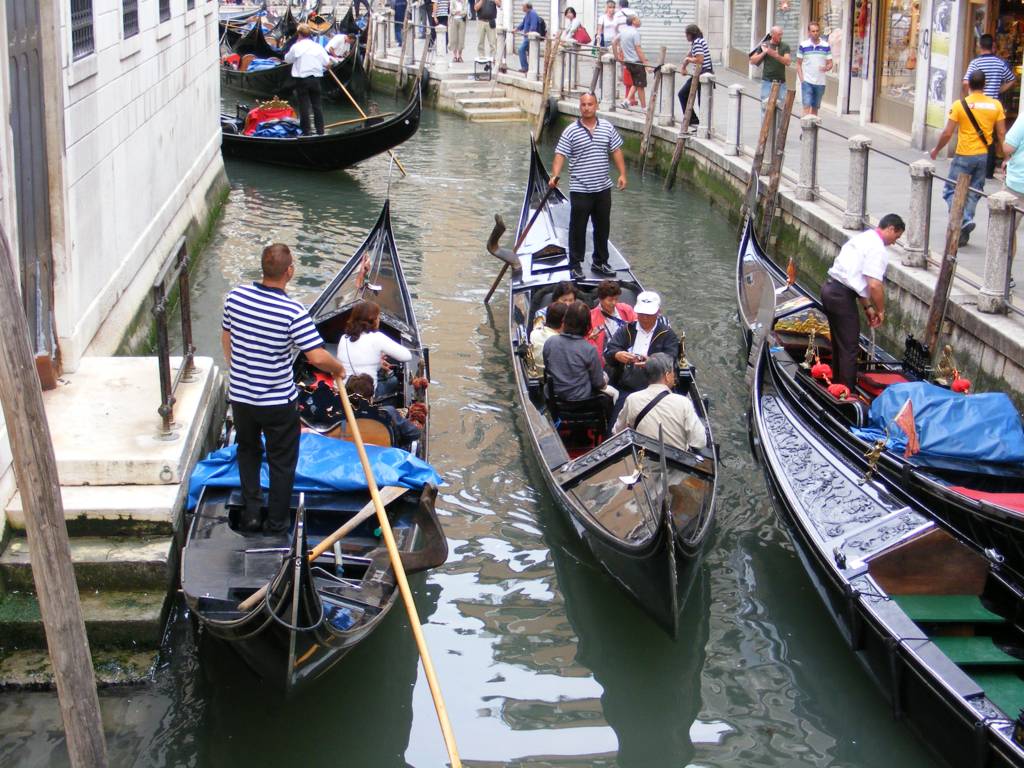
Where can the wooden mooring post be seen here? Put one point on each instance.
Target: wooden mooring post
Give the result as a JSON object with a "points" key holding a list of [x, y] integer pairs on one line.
{"points": [[35, 468], [550, 51], [750, 196], [655, 94], [677, 154], [940, 299], [775, 170]]}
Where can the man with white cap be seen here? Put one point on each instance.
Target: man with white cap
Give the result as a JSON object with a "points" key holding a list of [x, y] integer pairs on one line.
{"points": [[631, 345]]}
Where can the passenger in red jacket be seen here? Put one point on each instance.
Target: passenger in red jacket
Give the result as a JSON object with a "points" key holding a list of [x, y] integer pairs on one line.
{"points": [[608, 316]]}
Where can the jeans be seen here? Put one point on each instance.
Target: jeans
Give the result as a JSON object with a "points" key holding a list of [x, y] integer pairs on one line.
{"points": [[524, 46], [811, 94], [399, 22], [684, 96], [975, 165], [766, 88]]}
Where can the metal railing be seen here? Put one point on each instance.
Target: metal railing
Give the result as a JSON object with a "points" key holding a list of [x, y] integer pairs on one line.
{"points": [[175, 269]]}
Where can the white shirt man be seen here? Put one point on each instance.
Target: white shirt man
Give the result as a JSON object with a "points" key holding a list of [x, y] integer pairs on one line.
{"points": [[308, 58], [339, 46], [673, 414]]}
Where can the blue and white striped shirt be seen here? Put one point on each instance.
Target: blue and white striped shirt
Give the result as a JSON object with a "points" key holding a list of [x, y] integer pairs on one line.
{"points": [[265, 326], [700, 46], [588, 155], [997, 72]]}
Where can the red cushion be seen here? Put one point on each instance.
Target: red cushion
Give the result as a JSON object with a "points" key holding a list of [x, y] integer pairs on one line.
{"points": [[1012, 501], [874, 383]]}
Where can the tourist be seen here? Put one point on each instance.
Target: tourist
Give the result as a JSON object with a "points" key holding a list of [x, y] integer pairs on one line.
{"points": [[363, 347], [551, 326], [608, 316], [587, 142], [628, 349], [457, 28], [999, 78], [658, 412], [813, 60], [261, 326], [361, 386], [438, 15], [487, 12], [571, 364], [530, 23], [308, 60], [620, 21], [982, 124], [774, 55], [632, 55], [400, 7], [565, 293], [606, 25], [570, 26], [857, 275], [1014, 165], [700, 59]]}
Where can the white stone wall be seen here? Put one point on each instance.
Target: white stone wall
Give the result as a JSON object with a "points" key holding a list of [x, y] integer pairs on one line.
{"points": [[8, 221], [142, 139]]}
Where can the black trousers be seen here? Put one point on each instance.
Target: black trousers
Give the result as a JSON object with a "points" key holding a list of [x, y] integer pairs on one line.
{"points": [[307, 94], [433, 29], [279, 424], [840, 305], [684, 96], [584, 207]]}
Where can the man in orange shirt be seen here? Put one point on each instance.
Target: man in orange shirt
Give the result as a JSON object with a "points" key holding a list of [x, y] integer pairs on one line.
{"points": [[972, 147]]}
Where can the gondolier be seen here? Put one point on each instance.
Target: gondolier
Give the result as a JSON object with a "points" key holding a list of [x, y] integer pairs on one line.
{"points": [[587, 143], [309, 60], [856, 276], [261, 326]]}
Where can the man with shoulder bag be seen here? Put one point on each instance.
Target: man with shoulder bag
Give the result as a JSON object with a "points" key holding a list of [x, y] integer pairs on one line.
{"points": [[981, 121], [487, 12]]}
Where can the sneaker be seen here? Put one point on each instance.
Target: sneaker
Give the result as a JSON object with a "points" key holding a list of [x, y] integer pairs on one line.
{"points": [[691, 129], [624, 105], [965, 233], [603, 269], [575, 274]]}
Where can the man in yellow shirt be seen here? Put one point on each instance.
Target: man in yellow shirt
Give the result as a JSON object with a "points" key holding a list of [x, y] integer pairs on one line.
{"points": [[972, 144]]}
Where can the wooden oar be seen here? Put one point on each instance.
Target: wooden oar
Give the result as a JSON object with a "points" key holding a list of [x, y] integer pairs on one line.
{"points": [[388, 493], [357, 120], [360, 111], [403, 583], [519, 242]]}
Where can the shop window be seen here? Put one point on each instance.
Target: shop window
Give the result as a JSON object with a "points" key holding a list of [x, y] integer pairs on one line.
{"points": [[82, 43], [897, 62], [861, 44], [742, 13], [829, 15], [129, 18]]}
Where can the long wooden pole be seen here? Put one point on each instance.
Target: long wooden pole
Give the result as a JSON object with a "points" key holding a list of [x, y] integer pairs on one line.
{"points": [[363, 114], [653, 96], [519, 242], [400, 75], [358, 120], [940, 299], [677, 154], [549, 64], [750, 196], [775, 170], [35, 469], [403, 584]]}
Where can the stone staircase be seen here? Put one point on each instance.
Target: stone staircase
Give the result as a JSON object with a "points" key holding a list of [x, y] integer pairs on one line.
{"points": [[482, 102], [123, 489]]}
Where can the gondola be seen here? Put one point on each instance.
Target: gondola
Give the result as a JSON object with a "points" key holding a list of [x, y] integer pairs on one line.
{"points": [[645, 509], [315, 612], [330, 152], [982, 500], [932, 617]]}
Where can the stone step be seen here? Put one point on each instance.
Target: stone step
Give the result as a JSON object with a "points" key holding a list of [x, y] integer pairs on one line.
{"points": [[104, 422], [31, 669], [104, 510], [119, 563], [483, 89], [505, 115], [112, 620], [486, 103]]}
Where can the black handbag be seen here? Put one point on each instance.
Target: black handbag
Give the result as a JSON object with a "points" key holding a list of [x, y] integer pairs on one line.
{"points": [[990, 164]]}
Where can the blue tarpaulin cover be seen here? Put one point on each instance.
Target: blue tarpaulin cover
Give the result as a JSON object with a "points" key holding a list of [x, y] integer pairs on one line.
{"points": [[259, 64], [325, 464], [982, 427]]}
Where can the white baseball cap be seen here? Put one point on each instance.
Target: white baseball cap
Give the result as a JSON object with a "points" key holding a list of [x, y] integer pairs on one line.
{"points": [[647, 303]]}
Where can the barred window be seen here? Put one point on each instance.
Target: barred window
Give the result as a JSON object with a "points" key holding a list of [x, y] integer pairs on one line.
{"points": [[165, 10], [82, 43], [190, 5], [130, 18]]}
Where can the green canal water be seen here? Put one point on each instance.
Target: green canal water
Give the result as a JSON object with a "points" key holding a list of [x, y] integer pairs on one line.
{"points": [[542, 660]]}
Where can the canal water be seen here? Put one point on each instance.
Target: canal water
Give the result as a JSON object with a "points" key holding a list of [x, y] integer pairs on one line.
{"points": [[542, 660]]}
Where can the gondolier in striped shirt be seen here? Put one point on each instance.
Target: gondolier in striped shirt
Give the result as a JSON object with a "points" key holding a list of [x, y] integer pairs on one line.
{"points": [[999, 78], [587, 143], [261, 328]]}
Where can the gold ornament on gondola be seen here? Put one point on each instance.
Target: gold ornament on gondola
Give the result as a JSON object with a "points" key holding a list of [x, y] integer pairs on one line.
{"points": [[275, 103], [683, 362], [531, 363], [873, 455], [945, 369], [804, 325], [811, 355]]}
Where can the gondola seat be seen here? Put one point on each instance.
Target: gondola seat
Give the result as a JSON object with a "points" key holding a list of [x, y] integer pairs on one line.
{"points": [[873, 382], [582, 424], [375, 425], [243, 66]]}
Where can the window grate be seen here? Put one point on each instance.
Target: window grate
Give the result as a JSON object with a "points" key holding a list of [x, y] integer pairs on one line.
{"points": [[130, 18], [165, 10], [82, 42]]}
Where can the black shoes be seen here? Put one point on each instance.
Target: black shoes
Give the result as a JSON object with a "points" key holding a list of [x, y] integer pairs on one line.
{"points": [[575, 273], [603, 270], [965, 233], [251, 523]]}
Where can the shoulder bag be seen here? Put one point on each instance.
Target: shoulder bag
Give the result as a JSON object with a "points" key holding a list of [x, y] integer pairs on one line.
{"points": [[990, 165]]}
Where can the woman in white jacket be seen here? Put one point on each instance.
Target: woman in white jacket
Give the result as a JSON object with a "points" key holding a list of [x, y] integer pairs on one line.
{"points": [[363, 347]]}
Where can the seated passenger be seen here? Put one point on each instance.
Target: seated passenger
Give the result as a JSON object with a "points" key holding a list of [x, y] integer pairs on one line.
{"points": [[362, 347], [361, 386], [609, 315], [570, 362], [565, 293], [552, 327], [658, 406], [631, 345]]}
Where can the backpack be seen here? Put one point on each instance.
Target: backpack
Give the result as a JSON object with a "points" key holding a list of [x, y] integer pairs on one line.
{"points": [[542, 26]]}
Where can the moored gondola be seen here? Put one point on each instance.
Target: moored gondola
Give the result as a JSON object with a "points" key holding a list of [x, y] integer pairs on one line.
{"points": [[332, 151], [932, 617], [316, 610], [981, 499], [645, 509]]}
